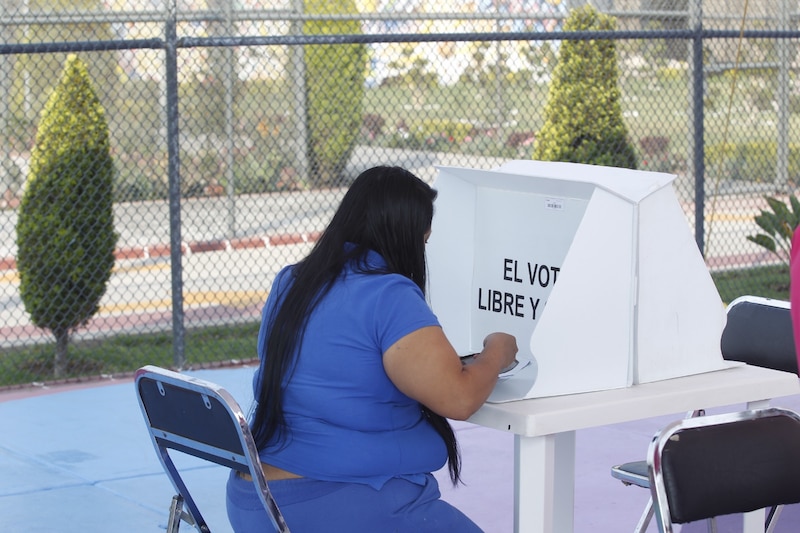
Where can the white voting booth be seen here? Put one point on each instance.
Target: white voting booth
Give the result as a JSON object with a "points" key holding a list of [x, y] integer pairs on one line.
{"points": [[593, 269]]}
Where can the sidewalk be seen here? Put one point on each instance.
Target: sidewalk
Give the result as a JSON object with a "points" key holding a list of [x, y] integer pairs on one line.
{"points": [[144, 226], [77, 459]]}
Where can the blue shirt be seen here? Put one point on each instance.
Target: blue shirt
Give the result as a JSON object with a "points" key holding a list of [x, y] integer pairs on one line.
{"points": [[346, 420]]}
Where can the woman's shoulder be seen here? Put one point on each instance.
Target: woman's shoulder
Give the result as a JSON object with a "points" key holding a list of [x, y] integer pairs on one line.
{"points": [[379, 279], [387, 287], [284, 274]]}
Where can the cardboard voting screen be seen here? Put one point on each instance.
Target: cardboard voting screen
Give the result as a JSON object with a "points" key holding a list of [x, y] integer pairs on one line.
{"points": [[593, 269]]}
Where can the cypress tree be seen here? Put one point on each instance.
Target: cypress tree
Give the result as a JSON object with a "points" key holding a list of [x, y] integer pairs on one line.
{"points": [[335, 76], [65, 229], [583, 116]]}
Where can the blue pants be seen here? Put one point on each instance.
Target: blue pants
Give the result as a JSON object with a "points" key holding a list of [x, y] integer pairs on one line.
{"points": [[311, 506]]}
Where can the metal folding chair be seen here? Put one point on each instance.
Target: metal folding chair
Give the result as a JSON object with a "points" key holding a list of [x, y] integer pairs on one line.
{"points": [[724, 464], [635, 473], [201, 419], [758, 332]]}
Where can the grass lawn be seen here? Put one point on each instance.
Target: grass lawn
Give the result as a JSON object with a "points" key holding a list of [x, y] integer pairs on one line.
{"points": [[770, 282], [225, 344], [126, 353]]}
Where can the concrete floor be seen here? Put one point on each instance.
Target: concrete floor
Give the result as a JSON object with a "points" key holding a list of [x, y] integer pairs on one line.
{"points": [[77, 459]]}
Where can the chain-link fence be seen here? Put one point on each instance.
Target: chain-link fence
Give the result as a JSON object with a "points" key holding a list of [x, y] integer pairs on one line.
{"points": [[234, 128]]}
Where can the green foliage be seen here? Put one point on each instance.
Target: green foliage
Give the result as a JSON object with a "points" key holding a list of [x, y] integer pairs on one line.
{"points": [[411, 69], [335, 76], [133, 186], [40, 71], [486, 68], [261, 172], [583, 115], [65, 230], [753, 160], [656, 155], [658, 51], [433, 134], [205, 347], [770, 282], [202, 106], [777, 225]]}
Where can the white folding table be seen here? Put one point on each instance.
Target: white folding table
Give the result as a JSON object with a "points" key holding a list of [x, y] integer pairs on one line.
{"points": [[544, 428]]}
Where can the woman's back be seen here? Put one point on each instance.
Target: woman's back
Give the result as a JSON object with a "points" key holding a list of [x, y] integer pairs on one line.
{"points": [[346, 420]]}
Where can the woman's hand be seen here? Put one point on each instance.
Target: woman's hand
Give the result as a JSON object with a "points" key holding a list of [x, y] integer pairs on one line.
{"points": [[502, 343], [425, 366]]}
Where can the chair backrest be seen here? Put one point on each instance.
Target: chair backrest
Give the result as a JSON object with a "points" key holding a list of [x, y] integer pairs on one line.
{"points": [[723, 464], [202, 419], [759, 332]]}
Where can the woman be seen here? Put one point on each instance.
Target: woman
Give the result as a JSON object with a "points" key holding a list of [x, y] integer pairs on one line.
{"points": [[357, 378], [794, 289]]}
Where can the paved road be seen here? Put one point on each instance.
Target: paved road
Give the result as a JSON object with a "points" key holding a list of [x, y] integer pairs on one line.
{"points": [[231, 253], [227, 273]]}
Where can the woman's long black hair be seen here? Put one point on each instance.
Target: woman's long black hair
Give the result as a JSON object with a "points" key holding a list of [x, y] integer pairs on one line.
{"points": [[386, 209]]}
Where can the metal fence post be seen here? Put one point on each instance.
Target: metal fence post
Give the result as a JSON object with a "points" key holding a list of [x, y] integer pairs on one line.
{"points": [[298, 80], [173, 151], [698, 131], [5, 84], [784, 58]]}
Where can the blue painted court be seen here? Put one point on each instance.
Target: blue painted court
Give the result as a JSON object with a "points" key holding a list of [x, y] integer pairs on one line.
{"points": [[77, 459]]}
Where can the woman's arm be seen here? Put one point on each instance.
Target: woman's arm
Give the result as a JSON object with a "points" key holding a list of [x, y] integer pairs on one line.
{"points": [[425, 366]]}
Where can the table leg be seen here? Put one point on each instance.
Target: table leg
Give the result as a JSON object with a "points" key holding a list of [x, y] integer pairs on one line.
{"points": [[544, 483], [753, 522]]}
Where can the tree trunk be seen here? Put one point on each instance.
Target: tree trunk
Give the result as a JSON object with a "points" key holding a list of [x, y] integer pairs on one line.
{"points": [[60, 361]]}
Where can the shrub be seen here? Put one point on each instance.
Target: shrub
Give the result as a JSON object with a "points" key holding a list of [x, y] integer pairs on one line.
{"points": [[259, 173], [373, 125], [654, 144], [432, 135], [777, 225], [656, 155], [453, 130], [583, 115], [794, 103], [140, 176], [752, 161], [519, 139], [199, 170], [670, 74], [132, 186], [335, 76], [411, 69], [65, 230]]}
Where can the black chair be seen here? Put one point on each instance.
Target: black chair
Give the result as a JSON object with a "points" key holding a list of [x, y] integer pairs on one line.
{"points": [[635, 473], [724, 464], [758, 332], [201, 419]]}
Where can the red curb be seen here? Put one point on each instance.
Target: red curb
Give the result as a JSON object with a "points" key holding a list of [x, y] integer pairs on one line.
{"points": [[162, 250], [9, 263], [728, 262], [208, 246], [289, 238], [242, 243], [127, 253]]}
